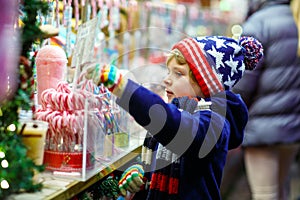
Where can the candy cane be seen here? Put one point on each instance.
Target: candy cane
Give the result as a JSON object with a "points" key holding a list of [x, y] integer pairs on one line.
{"points": [[64, 8], [69, 101], [57, 13], [69, 2], [61, 98], [94, 8], [55, 101], [76, 14], [100, 4]]}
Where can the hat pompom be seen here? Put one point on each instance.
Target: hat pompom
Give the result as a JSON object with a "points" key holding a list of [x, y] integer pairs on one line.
{"points": [[252, 50]]}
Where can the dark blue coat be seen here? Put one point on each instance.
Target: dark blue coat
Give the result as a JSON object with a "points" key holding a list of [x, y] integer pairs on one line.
{"points": [[202, 139], [272, 91]]}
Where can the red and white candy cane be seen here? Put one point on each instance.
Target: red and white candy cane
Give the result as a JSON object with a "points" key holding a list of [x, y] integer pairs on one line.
{"points": [[100, 4], [57, 13], [64, 8], [45, 97], [76, 14], [63, 86], [94, 8]]}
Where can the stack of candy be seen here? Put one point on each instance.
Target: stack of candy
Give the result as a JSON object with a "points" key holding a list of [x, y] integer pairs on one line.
{"points": [[63, 108]]}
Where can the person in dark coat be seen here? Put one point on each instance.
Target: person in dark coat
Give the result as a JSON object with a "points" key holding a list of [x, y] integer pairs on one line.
{"points": [[190, 134], [271, 92]]}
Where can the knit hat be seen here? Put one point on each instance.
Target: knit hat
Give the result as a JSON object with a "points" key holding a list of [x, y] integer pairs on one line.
{"points": [[219, 62]]}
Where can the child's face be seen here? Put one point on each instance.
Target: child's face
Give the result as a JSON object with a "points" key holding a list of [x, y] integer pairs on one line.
{"points": [[179, 83]]}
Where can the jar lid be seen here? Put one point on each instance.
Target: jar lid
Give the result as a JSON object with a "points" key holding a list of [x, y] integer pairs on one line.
{"points": [[50, 52]]}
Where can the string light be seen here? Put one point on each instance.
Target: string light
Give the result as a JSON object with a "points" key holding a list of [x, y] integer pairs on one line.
{"points": [[4, 163], [12, 127], [2, 154], [4, 184]]}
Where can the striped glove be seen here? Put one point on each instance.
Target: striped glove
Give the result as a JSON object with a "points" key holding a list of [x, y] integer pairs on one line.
{"points": [[109, 75], [131, 179]]}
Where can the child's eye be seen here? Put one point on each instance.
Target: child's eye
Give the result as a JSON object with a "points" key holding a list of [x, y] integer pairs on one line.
{"points": [[178, 73]]}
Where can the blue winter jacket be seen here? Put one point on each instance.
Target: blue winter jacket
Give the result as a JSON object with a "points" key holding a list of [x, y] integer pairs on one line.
{"points": [[202, 139], [271, 91]]}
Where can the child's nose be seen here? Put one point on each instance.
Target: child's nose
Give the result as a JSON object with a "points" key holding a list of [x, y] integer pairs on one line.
{"points": [[167, 80]]}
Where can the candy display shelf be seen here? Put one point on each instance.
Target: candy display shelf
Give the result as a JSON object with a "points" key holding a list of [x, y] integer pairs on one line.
{"points": [[65, 187]]}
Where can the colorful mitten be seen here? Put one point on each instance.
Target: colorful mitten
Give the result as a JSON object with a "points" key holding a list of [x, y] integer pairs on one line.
{"points": [[131, 179], [109, 75]]}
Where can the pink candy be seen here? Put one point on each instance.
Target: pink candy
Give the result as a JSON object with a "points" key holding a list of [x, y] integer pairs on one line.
{"points": [[51, 63], [63, 109]]}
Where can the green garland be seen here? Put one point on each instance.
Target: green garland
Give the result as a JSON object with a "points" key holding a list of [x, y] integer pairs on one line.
{"points": [[18, 175], [16, 169], [31, 31]]}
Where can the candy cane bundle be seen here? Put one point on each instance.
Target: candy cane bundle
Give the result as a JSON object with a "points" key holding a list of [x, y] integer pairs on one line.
{"points": [[64, 109]]}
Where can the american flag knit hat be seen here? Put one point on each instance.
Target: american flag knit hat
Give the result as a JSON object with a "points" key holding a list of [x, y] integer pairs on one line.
{"points": [[219, 62]]}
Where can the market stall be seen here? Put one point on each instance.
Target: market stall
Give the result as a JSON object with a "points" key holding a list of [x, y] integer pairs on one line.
{"points": [[88, 136]]}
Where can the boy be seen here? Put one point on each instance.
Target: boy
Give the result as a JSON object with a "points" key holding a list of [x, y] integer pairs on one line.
{"points": [[188, 138]]}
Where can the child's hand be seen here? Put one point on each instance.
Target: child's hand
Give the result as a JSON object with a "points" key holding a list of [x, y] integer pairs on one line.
{"points": [[92, 72], [131, 180], [109, 75]]}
